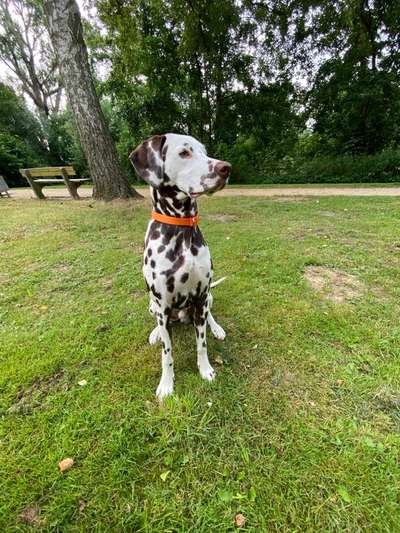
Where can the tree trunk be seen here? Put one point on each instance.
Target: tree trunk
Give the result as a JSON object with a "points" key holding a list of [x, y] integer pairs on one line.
{"points": [[65, 28]]}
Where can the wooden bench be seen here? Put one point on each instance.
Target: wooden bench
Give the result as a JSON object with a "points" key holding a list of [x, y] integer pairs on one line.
{"points": [[40, 177], [3, 187]]}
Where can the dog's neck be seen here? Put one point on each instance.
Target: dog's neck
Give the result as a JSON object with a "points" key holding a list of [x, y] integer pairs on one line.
{"points": [[169, 200]]}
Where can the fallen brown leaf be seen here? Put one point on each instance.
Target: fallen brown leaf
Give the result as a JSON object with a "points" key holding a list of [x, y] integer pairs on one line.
{"points": [[65, 464], [81, 505], [240, 520]]}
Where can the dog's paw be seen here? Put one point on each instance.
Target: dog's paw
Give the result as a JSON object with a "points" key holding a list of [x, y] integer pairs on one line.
{"points": [[154, 336], [218, 332], [165, 388], [207, 372]]}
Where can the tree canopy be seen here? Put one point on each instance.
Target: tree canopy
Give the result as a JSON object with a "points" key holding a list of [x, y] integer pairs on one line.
{"points": [[291, 90]]}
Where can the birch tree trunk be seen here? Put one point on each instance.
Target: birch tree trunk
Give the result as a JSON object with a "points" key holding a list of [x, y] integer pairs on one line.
{"points": [[65, 28]]}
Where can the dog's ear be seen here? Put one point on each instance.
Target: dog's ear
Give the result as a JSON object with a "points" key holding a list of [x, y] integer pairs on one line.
{"points": [[147, 160]]}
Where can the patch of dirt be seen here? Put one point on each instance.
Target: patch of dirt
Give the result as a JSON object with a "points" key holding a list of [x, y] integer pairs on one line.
{"points": [[58, 194], [289, 198], [31, 516], [223, 218], [138, 294], [4, 278], [334, 285], [395, 247], [388, 401], [275, 379], [33, 397], [291, 387], [62, 267], [327, 213], [107, 282]]}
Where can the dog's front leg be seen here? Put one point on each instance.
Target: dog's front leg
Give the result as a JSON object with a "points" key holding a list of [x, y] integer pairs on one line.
{"points": [[166, 385], [200, 323]]}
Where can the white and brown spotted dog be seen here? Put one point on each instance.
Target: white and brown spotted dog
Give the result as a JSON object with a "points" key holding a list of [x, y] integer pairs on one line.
{"points": [[177, 264]]}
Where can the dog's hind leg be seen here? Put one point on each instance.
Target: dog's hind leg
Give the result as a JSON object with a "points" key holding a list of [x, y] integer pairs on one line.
{"points": [[200, 323], [166, 385], [154, 335]]}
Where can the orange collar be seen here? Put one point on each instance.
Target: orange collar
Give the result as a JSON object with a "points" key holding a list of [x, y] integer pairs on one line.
{"points": [[189, 221]]}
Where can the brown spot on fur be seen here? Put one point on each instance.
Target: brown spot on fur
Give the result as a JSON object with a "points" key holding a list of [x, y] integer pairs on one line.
{"points": [[144, 160], [157, 142], [139, 159]]}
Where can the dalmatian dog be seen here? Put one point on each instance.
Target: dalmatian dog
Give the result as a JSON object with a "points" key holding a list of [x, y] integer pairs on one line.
{"points": [[177, 265]]}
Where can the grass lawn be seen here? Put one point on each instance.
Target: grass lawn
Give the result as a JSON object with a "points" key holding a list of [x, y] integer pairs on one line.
{"points": [[300, 430]]}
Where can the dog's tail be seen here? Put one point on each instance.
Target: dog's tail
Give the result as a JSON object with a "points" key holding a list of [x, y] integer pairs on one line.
{"points": [[215, 283]]}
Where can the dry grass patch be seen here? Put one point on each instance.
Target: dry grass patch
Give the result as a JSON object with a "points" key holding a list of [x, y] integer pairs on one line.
{"points": [[388, 401], [31, 516], [327, 213], [33, 396], [289, 198], [334, 285], [62, 268], [223, 218]]}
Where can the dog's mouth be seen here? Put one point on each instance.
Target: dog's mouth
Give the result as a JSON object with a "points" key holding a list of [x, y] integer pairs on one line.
{"points": [[209, 191]]}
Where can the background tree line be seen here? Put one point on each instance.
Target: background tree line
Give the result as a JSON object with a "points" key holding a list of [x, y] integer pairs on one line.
{"points": [[287, 90]]}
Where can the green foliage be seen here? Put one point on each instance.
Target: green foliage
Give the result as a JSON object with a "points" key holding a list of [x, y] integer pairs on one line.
{"points": [[356, 112], [202, 79], [21, 137], [181, 80], [63, 141], [382, 167], [289, 91]]}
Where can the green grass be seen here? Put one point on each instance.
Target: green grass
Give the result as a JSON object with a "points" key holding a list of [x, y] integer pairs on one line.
{"points": [[300, 430]]}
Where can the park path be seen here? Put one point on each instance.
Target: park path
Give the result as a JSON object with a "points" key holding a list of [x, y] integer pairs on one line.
{"points": [[26, 193]]}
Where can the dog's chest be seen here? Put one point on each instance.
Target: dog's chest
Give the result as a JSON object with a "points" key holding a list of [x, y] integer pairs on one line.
{"points": [[176, 262]]}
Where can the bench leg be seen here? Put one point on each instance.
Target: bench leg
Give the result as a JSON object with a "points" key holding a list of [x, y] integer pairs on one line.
{"points": [[37, 189], [72, 187], [73, 191]]}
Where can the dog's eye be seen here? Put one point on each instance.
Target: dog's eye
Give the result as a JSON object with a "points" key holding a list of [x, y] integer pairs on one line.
{"points": [[185, 154]]}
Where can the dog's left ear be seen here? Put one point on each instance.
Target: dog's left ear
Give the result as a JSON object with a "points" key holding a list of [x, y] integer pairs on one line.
{"points": [[147, 160]]}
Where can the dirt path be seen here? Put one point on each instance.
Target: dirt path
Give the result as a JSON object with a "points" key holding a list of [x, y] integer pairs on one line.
{"points": [[26, 193]]}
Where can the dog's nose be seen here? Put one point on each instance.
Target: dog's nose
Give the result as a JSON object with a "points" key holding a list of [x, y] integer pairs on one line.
{"points": [[223, 169]]}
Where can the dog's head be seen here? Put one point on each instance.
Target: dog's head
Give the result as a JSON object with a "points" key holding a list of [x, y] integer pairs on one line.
{"points": [[182, 161]]}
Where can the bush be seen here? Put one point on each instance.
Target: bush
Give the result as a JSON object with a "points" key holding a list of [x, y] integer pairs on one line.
{"points": [[21, 137], [383, 167]]}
